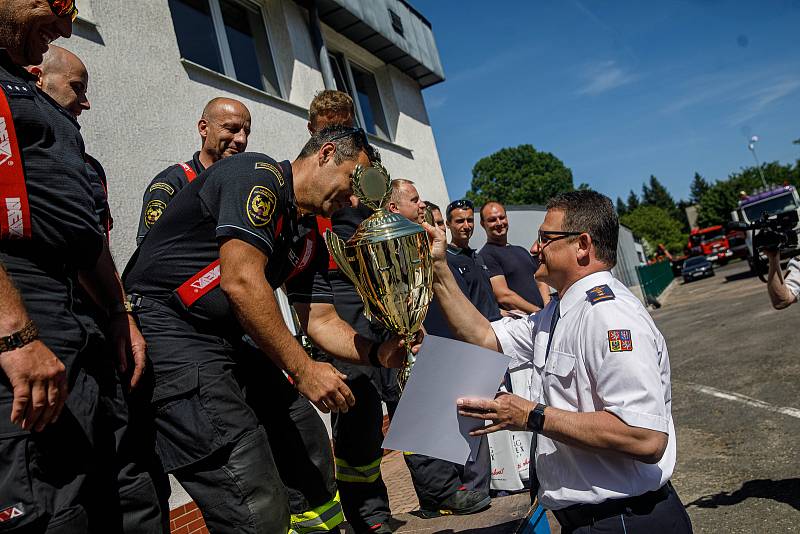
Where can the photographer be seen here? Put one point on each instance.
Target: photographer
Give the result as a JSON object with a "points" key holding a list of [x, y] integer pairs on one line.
{"points": [[783, 290]]}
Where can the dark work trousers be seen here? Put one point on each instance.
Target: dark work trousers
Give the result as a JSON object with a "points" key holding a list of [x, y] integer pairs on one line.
{"points": [[143, 487], [663, 517], [436, 480], [358, 434], [60, 480], [247, 447]]}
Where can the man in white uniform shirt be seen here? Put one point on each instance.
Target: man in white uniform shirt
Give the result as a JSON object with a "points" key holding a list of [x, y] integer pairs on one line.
{"points": [[600, 397], [783, 290]]}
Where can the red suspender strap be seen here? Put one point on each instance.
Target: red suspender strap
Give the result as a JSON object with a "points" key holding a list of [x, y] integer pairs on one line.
{"points": [[188, 171], [15, 213], [325, 224], [309, 245], [199, 284]]}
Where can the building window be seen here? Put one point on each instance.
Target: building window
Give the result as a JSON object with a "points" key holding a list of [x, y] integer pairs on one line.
{"points": [[397, 22], [360, 84], [227, 36]]}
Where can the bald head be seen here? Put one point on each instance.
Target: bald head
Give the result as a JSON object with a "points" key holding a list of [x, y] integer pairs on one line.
{"points": [[63, 77], [224, 128]]}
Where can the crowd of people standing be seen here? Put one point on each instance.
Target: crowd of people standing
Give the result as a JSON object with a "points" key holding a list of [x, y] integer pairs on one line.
{"points": [[183, 364]]}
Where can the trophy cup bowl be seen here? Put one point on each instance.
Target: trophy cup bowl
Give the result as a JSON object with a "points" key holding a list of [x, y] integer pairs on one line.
{"points": [[388, 260]]}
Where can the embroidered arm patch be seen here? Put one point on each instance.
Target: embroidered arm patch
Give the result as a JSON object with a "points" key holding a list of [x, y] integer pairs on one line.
{"points": [[599, 294], [620, 340]]}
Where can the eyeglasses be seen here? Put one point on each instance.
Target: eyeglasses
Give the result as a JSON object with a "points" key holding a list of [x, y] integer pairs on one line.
{"points": [[64, 8], [463, 204], [548, 236]]}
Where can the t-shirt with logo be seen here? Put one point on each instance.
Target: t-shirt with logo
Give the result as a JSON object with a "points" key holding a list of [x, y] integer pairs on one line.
{"points": [[249, 197], [64, 225], [161, 190]]}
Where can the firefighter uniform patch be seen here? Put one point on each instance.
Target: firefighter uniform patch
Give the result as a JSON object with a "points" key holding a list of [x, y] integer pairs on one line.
{"points": [[153, 211], [620, 340], [260, 205], [164, 187], [273, 169], [599, 294]]}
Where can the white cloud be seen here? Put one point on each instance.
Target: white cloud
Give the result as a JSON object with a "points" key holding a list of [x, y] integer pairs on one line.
{"points": [[603, 77]]}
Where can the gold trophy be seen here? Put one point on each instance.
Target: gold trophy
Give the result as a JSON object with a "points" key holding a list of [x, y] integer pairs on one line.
{"points": [[388, 259]]}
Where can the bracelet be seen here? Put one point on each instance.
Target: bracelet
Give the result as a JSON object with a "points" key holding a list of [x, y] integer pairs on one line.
{"points": [[373, 355], [20, 338]]}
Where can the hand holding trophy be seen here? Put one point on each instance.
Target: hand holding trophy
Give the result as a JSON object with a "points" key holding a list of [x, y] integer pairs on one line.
{"points": [[388, 260]]}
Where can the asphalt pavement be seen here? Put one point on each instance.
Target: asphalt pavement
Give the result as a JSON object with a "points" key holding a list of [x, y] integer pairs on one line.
{"points": [[736, 402]]}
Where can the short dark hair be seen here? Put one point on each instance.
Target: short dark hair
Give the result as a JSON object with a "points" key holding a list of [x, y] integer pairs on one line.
{"points": [[489, 203], [432, 206], [349, 142], [460, 204], [591, 212]]}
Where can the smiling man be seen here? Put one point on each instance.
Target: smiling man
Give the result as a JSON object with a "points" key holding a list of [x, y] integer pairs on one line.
{"points": [[202, 280], [600, 399], [224, 128], [511, 267]]}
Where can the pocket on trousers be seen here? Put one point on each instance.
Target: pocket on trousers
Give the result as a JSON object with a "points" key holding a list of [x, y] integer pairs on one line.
{"points": [[17, 505], [184, 430]]}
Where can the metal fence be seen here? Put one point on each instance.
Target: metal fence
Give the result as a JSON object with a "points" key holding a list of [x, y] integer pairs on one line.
{"points": [[655, 278]]}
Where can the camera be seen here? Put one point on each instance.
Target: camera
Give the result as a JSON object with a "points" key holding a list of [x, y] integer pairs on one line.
{"points": [[775, 231]]}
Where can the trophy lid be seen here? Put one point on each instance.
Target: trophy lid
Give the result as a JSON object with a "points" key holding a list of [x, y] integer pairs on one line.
{"points": [[383, 225]]}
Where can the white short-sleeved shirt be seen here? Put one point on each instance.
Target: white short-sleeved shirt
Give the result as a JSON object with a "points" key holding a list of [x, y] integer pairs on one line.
{"points": [[606, 354], [792, 279]]}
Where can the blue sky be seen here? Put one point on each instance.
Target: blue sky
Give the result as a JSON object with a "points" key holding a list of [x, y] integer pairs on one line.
{"points": [[617, 90]]}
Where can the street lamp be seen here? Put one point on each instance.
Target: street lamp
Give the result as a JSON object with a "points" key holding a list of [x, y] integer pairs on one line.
{"points": [[752, 147]]}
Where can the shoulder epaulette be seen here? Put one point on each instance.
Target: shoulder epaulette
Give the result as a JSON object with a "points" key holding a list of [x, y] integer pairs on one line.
{"points": [[599, 294]]}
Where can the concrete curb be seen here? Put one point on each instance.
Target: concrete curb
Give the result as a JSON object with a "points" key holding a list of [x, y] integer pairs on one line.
{"points": [[663, 298]]}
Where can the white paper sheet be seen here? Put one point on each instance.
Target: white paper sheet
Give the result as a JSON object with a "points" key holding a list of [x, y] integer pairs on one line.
{"points": [[427, 421]]}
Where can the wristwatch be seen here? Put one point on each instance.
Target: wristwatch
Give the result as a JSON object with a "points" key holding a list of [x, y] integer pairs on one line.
{"points": [[536, 418], [20, 338]]}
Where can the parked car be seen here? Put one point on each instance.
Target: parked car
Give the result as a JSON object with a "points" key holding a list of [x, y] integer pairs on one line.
{"points": [[696, 267]]}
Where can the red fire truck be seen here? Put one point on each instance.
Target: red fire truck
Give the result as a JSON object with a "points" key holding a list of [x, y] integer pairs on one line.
{"points": [[710, 242]]}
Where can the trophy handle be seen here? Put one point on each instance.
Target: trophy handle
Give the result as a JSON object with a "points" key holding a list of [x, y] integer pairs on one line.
{"points": [[336, 248]]}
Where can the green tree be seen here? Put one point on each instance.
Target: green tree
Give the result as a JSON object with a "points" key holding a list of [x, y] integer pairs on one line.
{"points": [[657, 226], [698, 188], [657, 195], [633, 201], [622, 208], [519, 175]]}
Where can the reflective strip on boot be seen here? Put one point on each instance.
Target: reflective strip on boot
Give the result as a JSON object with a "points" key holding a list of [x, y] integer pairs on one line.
{"points": [[321, 519], [364, 474]]}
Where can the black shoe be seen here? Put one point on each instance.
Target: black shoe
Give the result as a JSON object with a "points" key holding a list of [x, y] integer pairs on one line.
{"points": [[462, 502]]}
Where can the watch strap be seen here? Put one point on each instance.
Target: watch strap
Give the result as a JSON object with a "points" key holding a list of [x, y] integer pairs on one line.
{"points": [[20, 338], [536, 418]]}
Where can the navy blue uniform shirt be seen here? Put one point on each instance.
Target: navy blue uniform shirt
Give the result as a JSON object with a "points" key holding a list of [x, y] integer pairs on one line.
{"points": [[517, 265]]}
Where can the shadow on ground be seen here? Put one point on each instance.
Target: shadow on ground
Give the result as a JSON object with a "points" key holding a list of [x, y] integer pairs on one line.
{"points": [[786, 491], [741, 275]]}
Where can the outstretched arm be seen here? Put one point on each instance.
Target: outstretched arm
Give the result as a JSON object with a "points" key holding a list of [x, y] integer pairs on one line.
{"points": [[242, 280], [464, 319]]}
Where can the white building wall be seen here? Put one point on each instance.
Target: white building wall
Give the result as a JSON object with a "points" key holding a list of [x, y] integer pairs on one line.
{"points": [[146, 101]]}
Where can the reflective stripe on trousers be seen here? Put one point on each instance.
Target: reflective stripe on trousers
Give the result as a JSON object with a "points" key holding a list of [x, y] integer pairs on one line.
{"points": [[321, 519], [357, 473]]}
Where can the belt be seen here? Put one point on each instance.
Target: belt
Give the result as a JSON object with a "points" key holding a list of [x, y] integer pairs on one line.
{"points": [[581, 515]]}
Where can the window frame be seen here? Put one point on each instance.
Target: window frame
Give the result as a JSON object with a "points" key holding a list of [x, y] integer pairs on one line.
{"points": [[224, 48], [357, 104]]}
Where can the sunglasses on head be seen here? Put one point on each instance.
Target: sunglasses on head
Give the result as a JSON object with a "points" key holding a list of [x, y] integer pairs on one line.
{"points": [[548, 236], [462, 204], [351, 131], [64, 8]]}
